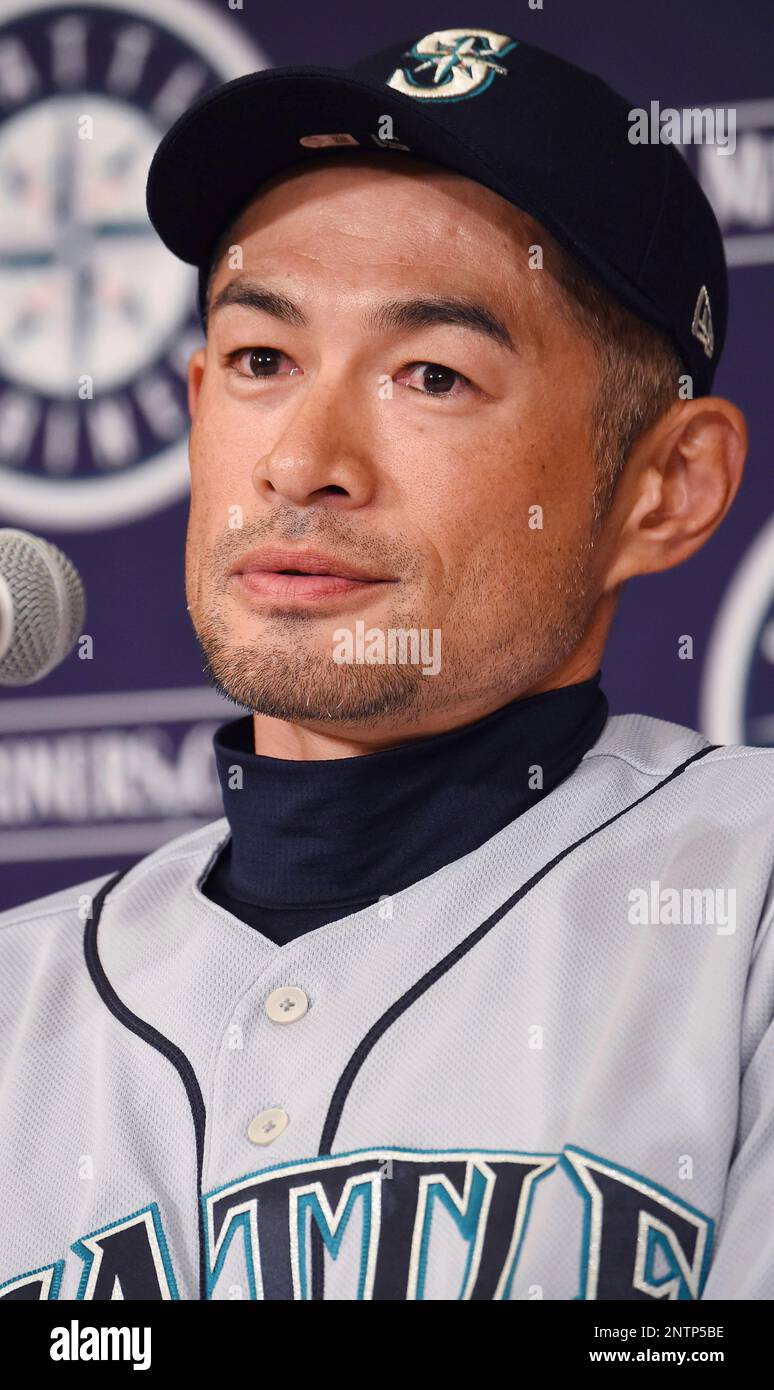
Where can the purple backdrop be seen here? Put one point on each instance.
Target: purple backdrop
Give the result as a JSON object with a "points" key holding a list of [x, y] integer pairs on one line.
{"points": [[108, 757]]}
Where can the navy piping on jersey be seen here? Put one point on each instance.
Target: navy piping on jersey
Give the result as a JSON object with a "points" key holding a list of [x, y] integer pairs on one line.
{"points": [[432, 976], [151, 1035], [345, 1082]]}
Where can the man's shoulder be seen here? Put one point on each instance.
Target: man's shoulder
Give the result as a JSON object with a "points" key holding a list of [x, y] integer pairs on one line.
{"points": [[657, 749], [70, 906], [659, 745]]}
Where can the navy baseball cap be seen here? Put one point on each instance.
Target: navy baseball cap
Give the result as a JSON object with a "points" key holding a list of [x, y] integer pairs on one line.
{"points": [[539, 131]]}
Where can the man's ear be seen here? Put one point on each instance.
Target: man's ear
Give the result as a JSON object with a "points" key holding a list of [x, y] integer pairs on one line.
{"points": [[678, 484], [195, 374]]}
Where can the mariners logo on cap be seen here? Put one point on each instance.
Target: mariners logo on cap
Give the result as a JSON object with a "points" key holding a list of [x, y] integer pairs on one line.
{"points": [[453, 64]]}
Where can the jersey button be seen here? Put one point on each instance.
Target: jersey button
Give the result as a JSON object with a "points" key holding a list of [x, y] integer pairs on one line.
{"points": [[268, 1126], [287, 1004]]}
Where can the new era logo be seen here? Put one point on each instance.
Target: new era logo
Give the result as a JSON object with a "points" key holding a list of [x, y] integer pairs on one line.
{"points": [[701, 327]]}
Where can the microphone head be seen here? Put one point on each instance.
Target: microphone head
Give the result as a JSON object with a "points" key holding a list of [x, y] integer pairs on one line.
{"points": [[42, 607]]}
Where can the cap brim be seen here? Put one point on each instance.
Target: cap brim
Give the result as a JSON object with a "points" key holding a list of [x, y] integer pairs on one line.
{"points": [[218, 154]]}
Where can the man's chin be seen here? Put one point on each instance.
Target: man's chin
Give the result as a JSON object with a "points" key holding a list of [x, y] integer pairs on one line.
{"points": [[303, 687]]}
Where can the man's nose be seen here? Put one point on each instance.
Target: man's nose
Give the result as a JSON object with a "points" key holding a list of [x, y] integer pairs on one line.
{"points": [[324, 450]]}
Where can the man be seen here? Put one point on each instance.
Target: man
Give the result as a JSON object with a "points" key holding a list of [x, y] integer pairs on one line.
{"points": [[469, 994]]}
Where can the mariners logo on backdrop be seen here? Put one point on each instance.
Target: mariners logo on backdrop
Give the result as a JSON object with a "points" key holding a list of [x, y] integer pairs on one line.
{"points": [[97, 318], [737, 698], [452, 64]]}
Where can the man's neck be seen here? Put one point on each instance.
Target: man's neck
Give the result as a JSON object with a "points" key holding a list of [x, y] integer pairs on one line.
{"points": [[311, 741]]}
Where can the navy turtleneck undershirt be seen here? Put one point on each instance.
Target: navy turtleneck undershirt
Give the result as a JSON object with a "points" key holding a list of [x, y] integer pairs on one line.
{"points": [[313, 841]]}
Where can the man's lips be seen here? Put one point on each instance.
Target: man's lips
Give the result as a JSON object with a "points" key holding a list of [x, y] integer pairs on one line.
{"points": [[275, 560], [300, 575]]}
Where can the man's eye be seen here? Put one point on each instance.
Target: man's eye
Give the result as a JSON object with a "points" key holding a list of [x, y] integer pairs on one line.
{"points": [[261, 362], [433, 379]]}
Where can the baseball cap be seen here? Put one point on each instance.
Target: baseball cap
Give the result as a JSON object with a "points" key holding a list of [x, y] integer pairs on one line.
{"points": [[542, 133]]}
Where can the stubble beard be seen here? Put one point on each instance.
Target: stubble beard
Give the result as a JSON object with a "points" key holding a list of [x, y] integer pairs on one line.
{"points": [[286, 675]]}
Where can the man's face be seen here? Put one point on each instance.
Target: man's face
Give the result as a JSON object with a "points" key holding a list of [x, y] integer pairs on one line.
{"points": [[359, 415]]}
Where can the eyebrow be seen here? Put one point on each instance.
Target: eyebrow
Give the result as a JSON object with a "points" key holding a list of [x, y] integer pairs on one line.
{"points": [[395, 314], [253, 296]]}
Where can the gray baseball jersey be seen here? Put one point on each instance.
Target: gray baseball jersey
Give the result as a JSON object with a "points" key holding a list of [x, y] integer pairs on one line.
{"points": [[546, 1070]]}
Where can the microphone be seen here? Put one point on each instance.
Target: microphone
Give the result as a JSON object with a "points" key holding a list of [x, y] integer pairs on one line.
{"points": [[42, 607]]}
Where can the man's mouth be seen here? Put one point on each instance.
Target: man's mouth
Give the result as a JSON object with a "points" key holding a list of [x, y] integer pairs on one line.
{"points": [[293, 575]]}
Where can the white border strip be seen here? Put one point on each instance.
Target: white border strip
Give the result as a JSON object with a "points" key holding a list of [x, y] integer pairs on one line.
{"points": [[751, 113], [755, 249], [92, 841], [114, 707]]}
